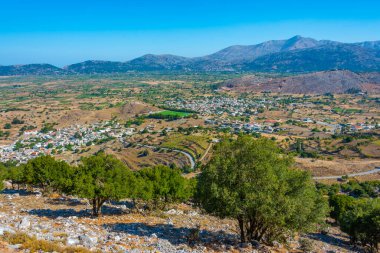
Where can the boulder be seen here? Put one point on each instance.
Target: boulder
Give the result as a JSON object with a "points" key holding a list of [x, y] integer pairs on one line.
{"points": [[24, 224], [4, 229], [244, 245], [169, 222], [88, 241], [72, 241], [117, 238], [255, 244], [172, 211]]}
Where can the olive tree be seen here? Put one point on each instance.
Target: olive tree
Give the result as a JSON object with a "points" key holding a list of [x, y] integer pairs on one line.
{"points": [[3, 173], [252, 181], [103, 177], [361, 221], [163, 185], [47, 173], [15, 175]]}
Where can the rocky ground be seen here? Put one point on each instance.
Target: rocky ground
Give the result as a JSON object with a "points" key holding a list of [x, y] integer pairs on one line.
{"points": [[67, 222]]}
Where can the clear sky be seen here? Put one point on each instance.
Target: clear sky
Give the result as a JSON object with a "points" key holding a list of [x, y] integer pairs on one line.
{"points": [[68, 31]]}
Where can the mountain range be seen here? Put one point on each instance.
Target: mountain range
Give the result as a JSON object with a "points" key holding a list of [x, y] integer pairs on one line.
{"points": [[295, 55]]}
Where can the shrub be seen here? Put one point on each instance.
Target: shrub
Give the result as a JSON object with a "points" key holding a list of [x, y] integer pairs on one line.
{"points": [[306, 245], [32, 244]]}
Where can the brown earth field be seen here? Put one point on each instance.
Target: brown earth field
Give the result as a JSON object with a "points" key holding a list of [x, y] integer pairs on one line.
{"points": [[336, 167], [40, 112], [134, 160]]}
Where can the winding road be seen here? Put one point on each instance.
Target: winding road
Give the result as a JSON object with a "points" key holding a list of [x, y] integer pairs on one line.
{"points": [[376, 170]]}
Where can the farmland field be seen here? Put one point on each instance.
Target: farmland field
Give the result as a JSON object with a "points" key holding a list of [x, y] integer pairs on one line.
{"points": [[173, 113], [193, 144]]}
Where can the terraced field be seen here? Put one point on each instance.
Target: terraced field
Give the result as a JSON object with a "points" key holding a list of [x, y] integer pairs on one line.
{"points": [[196, 145]]}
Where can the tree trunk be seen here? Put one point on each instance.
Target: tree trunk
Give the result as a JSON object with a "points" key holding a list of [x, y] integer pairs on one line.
{"points": [[243, 235], [97, 204], [94, 207]]}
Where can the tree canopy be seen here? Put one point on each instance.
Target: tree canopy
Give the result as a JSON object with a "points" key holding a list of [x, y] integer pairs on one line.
{"points": [[359, 218], [2, 176], [47, 173], [252, 181], [103, 177], [163, 185]]}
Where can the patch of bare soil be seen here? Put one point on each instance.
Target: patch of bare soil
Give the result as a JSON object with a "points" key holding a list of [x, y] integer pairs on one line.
{"points": [[336, 167]]}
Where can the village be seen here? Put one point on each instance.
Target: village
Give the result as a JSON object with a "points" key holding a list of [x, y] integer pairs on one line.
{"points": [[235, 114], [34, 143]]}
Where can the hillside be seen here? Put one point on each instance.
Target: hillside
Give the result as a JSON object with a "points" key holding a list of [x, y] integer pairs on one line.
{"points": [[325, 57], [297, 54], [313, 83], [89, 67], [31, 69]]}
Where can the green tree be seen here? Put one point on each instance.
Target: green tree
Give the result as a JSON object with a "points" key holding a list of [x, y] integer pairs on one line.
{"points": [[340, 204], [49, 174], [362, 223], [3, 175], [16, 175], [163, 185], [103, 177], [251, 180]]}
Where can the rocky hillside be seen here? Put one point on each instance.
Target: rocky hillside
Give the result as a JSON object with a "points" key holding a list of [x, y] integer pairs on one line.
{"points": [[296, 54], [30, 222], [313, 83]]}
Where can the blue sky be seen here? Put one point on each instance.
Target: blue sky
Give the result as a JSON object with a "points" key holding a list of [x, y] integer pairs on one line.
{"points": [[68, 31]]}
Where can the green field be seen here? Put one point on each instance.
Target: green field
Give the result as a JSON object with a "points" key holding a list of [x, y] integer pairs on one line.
{"points": [[346, 111], [173, 113]]}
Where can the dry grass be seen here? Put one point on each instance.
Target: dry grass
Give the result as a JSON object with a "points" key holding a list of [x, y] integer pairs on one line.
{"points": [[336, 167], [32, 244]]}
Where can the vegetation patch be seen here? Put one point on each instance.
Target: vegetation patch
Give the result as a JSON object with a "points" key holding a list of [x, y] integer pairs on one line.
{"points": [[170, 115], [32, 244]]}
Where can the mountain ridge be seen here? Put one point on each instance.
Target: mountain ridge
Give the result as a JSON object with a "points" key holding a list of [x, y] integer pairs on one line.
{"points": [[297, 54]]}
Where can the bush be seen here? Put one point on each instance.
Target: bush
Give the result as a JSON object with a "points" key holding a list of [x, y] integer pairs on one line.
{"points": [[306, 245], [32, 244], [17, 121]]}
